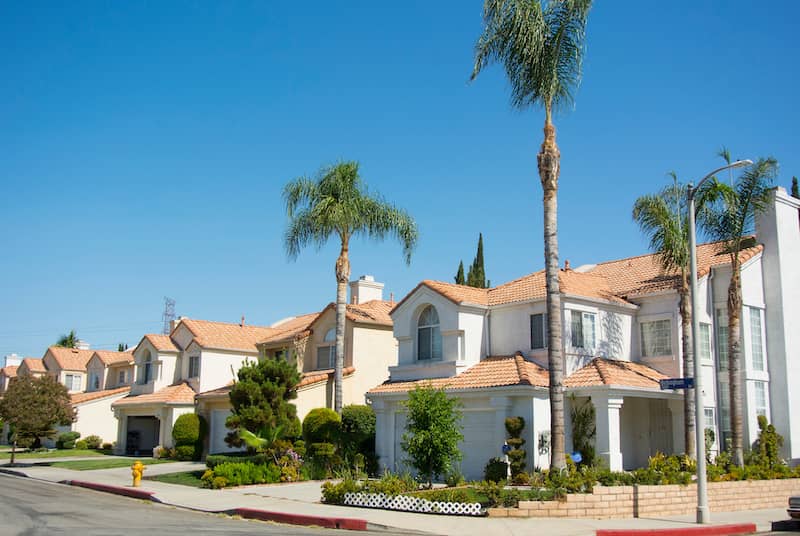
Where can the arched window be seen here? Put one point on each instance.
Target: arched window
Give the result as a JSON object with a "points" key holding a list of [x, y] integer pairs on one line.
{"points": [[429, 338], [147, 374], [326, 352]]}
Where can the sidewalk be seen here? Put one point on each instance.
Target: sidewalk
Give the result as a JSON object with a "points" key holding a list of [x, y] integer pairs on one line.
{"points": [[303, 499]]}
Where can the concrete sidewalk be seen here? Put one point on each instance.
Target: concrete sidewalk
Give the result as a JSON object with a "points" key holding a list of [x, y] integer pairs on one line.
{"points": [[302, 499]]}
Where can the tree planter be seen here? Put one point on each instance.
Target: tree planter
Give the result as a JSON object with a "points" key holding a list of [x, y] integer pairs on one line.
{"points": [[411, 504]]}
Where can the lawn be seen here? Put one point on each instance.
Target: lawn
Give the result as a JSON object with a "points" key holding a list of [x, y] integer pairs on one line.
{"points": [[185, 478], [110, 463], [71, 453]]}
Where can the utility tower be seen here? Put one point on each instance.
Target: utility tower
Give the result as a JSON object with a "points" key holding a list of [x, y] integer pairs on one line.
{"points": [[169, 314]]}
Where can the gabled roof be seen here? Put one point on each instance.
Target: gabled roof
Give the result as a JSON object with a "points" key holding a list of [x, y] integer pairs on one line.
{"points": [[82, 398], [109, 358], [226, 336], [289, 329], [10, 371], [70, 358], [309, 378], [179, 394], [162, 343], [491, 372], [33, 364], [602, 371], [371, 312], [533, 286], [643, 274]]}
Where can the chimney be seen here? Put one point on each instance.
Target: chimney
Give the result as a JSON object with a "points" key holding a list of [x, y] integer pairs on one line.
{"points": [[12, 360], [174, 323], [242, 324], [365, 289], [566, 265], [81, 344]]}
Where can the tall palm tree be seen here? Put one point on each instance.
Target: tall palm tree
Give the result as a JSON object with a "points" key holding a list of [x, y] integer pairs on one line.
{"points": [[337, 203], [68, 341], [541, 49], [730, 219], [664, 218]]}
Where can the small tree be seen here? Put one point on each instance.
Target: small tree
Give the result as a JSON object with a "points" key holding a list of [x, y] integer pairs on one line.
{"points": [[261, 399], [33, 407], [433, 431], [795, 189], [460, 274], [476, 277], [69, 340]]}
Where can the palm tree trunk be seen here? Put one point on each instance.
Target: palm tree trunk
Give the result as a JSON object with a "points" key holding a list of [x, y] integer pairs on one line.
{"points": [[735, 361], [688, 364], [342, 276], [549, 160]]}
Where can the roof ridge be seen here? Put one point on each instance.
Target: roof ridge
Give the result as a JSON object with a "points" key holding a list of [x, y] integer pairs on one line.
{"points": [[612, 261], [596, 364], [523, 373]]}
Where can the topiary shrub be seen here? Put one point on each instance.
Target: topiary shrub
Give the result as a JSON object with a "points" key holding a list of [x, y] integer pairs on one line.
{"points": [[496, 470], [517, 455], [322, 425], [93, 441], [81, 444], [67, 440], [185, 453], [186, 430]]}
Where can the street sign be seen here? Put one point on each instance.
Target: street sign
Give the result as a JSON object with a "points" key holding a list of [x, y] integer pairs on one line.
{"points": [[677, 383]]}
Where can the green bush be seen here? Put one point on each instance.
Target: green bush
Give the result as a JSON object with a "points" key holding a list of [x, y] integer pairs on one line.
{"points": [[81, 444], [456, 495], [108, 446], [241, 474], [186, 453], [389, 484], [93, 442], [496, 470], [67, 440], [186, 430], [334, 492], [322, 425], [358, 430], [213, 460]]}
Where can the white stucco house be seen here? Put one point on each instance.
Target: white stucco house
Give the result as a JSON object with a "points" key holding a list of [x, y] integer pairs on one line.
{"points": [[370, 349], [621, 336]]}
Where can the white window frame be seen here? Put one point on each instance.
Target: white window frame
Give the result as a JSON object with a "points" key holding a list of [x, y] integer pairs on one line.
{"points": [[146, 368], [122, 377], [761, 398], [94, 381], [70, 381], [644, 343], [582, 320], [434, 328], [194, 366], [328, 346], [756, 339], [540, 319], [705, 348], [722, 339]]}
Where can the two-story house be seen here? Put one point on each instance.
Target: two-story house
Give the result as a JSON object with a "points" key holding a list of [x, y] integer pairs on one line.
{"points": [[68, 366], [31, 366], [197, 355], [621, 336], [7, 373]]}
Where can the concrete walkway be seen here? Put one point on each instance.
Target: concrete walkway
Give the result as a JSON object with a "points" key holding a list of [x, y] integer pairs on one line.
{"points": [[303, 498]]}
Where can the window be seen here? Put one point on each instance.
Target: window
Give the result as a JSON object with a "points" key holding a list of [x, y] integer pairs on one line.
{"points": [[539, 331], [756, 340], [147, 367], [429, 338], [761, 398], [705, 343], [326, 354], [724, 408], [121, 379], [722, 339], [656, 338], [710, 422], [94, 381], [73, 382], [583, 332], [194, 366]]}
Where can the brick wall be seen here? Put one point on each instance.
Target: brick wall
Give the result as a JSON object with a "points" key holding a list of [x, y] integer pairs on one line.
{"points": [[652, 501]]}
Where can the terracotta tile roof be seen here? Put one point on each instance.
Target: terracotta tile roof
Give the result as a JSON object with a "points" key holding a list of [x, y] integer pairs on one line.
{"points": [[71, 358], [602, 371], [219, 392], [10, 371], [491, 372], [226, 336], [34, 364], [179, 393], [317, 376], [112, 358], [643, 274], [371, 312], [289, 329], [81, 398], [533, 286], [162, 343]]}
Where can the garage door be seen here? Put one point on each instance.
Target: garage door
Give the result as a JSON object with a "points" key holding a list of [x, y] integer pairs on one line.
{"points": [[218, 432]]}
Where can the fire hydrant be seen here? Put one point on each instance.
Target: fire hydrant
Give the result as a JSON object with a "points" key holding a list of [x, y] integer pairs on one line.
{"points": [[136, 470]]}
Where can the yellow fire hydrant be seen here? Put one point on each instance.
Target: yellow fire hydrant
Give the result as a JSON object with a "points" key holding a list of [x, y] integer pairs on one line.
{"points": [[137, 469]]}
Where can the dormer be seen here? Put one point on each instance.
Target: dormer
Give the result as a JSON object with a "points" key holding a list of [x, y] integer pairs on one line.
{"points": [[155, 359]]}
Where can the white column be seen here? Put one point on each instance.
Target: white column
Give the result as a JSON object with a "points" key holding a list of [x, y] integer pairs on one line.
{"points": [[608, 429], [678, 439], [382, 433], [501, 405], [122, 431]]}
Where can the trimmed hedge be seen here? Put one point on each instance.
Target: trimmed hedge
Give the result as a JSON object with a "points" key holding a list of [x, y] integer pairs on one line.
{"points": [[322, 425], [67, 440], [213, 460], [186, 430], [241, 474]]}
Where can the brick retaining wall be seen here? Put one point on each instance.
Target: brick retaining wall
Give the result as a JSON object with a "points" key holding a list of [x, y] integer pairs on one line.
{"points": [[650, 501]]}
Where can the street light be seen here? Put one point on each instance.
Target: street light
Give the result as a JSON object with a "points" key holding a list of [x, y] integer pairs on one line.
{"points": [[702, 493]]}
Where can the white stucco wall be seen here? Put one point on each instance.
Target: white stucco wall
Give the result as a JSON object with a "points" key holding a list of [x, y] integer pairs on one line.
{"points": [[97, 418], [373, 350], [217, 368]]}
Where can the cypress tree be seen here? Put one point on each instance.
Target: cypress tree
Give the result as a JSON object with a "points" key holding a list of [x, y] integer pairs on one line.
{"points": [[795, 190], [476, 277], [460, 274]]}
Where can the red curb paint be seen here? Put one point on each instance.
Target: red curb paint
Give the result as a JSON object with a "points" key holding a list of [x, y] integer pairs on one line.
{"points": [[117, 490], [710, 530], [302, 519]]}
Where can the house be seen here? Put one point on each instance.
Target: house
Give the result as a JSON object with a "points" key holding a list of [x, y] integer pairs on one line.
{"points": [[621, 336], [32, 366], [68, 366], [169, 370], [7, 373], [370, 349]]}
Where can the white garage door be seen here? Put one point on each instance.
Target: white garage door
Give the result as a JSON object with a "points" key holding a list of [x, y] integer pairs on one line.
{"points": [[218, 432]]}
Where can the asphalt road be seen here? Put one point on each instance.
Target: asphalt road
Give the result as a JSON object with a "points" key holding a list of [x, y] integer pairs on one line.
{"points": [[32, 508]]}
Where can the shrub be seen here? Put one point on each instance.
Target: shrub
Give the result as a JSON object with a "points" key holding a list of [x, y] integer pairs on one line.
{"points": [[496, 470], [93, 441], [241, 474], [108, 446], [67, 440], [358, 430], [322, 425], [333, 493], [165, 453], [454, 479], [81, 444], [213, 460], [517, 455], [186, 430], [185, 453], [456, 495]]}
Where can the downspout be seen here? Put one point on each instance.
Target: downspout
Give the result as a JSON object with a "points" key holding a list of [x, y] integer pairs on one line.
{"points": [[488, 332]]}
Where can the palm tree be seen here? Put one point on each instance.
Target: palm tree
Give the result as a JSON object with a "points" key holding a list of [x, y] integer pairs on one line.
{"points": [[664, 218], [68, 341], [730, 219], [541, 49], [337, 203]]}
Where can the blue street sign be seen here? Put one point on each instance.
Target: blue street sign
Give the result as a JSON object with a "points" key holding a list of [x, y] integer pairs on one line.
{"points": [[677, 383]]}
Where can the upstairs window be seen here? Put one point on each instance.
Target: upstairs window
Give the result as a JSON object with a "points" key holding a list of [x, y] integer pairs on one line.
{"points": [[722, 340], [147, 367], [94, 381], [194, 366], [705, 343], [539, 331], [756, 340], [122, 378], [656, 338], [73, 382], [429, 337], [326, 352], [760, 398], [583, 330]]}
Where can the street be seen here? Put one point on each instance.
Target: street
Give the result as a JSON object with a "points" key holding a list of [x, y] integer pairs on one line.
{"points": [[34, 508]]}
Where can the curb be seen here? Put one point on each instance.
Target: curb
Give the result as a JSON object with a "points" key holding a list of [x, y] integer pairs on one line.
{"points": [[13, 473], [302, 519], [117, 490], [710, 530]]}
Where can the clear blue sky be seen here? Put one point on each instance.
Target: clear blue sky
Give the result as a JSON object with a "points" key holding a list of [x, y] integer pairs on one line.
{"points": [[143, 146]]}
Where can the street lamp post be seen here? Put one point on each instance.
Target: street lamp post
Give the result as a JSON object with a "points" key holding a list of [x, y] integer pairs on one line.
{"points": [[703, 515]]}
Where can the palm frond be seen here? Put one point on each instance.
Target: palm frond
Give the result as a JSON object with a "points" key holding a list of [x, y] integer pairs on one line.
{"points": [[664, 218]]}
